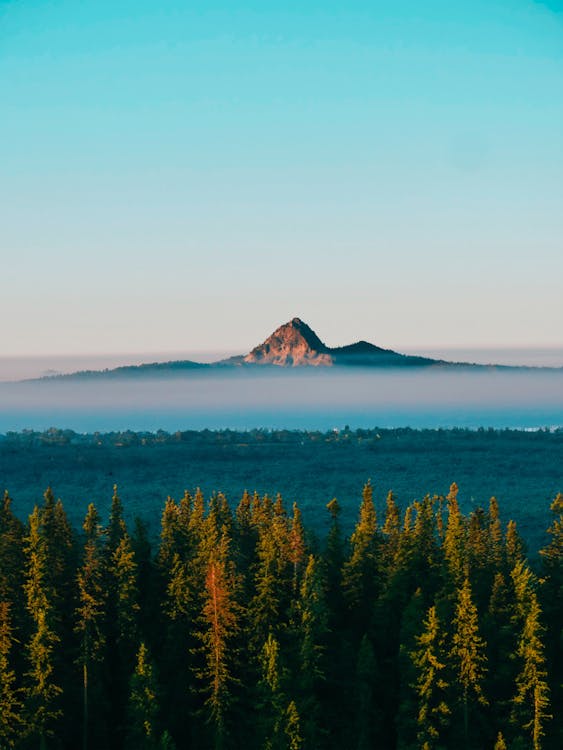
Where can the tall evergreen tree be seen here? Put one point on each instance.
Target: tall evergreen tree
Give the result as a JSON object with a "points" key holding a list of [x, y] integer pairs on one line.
{"points": [[551, 594], [271, 699], [292, 728], [454, 538], [42, 693], [11, 552], [429, 659], [531, 701], [90, 622], [220, 624], [313, 625], [10, 704], [367, 718], [467, 655], [143, 707], [360, 577]]}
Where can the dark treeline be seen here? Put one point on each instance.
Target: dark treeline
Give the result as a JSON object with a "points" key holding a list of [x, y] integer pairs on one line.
{"points": [[425, 629]]}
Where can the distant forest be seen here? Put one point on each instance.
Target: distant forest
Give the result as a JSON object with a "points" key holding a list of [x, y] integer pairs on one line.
{"points": [[523, 470], [425, 628]]}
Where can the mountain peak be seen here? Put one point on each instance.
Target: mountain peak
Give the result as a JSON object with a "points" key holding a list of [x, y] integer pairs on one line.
{"points": [[292, 344]]}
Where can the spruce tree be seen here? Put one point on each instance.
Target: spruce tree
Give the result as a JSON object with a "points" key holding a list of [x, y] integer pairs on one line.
{"points": [[293, 729], [219, 626], [143, 706], [90, 627], [551, 597], [429, 659], [271, 699], [10, 704], [312, 630], [42, 693], [454, 538], [531, 700], [360, 576], [367, 718], [467, 656], [11, 552]]}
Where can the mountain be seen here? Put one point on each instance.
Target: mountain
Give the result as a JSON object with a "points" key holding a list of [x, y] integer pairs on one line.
{"points": [[295, 344], [291, 345]]}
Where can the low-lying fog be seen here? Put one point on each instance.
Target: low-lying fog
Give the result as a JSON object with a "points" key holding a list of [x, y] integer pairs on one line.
{"points": [[307, 399]]}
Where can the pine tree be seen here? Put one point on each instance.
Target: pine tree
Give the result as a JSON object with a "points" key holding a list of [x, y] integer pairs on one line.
{"points": [[514, 545], [10, 705], [143, 708], [271, 700], [90, 616], [551, 597], [367, 719], [292, 728], [11, 552], [313, 626], [122, 627], [296, 546], [495, 549], [220, 624], [42, 693], [391, 531], [116, 527], [454, 538], [500, 636], [360, 578], [123, 576], [266, 609], [531, 701], [468, 654], [429, 659]]}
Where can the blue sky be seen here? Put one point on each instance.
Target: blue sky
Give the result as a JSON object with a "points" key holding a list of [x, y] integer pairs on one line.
{"points": [[186, 176]]}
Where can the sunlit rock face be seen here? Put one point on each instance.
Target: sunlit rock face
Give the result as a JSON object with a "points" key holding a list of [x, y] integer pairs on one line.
{"points": [[291, 345]]}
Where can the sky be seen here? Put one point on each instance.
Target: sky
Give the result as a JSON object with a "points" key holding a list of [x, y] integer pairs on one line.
{"points": [[188, 176]]}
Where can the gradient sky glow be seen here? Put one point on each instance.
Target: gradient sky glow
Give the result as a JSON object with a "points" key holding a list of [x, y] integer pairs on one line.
{"points": [[187, 176]]}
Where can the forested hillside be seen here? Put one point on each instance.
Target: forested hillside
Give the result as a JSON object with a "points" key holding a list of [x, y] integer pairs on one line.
{"points": [[425, 628]]}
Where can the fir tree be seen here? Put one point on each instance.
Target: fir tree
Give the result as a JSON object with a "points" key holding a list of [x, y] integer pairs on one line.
{"points": [[360, 577], [551, 597], [41, 692], [429, 659], [312, 630], [531, 701], [220, 624], [367, 719], [468, 655], [271, 696], [143, 708], [90, 620], [10, 705], [292, 728], [11, 552], [454, 538]]}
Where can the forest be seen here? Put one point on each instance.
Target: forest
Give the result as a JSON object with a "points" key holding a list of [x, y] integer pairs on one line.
{"points": [[523, 470], [239, 627]]}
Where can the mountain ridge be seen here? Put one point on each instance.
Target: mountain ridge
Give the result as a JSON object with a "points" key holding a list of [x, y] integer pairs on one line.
{"points": [[294, 345]]}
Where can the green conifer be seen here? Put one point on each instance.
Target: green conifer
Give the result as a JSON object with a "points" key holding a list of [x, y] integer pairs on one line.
{"points": [[467, 655], [10, 704], [429, 659]]}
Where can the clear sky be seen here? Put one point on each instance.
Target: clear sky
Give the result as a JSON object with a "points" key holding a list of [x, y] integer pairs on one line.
{"points": [[188, 175]]}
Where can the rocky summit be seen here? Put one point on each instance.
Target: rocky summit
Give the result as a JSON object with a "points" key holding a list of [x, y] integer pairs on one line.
{"points": [[291, 345], [295, 344]]}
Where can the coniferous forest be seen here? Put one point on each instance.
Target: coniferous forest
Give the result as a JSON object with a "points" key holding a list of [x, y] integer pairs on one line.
{"points": [[238, 628]]}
